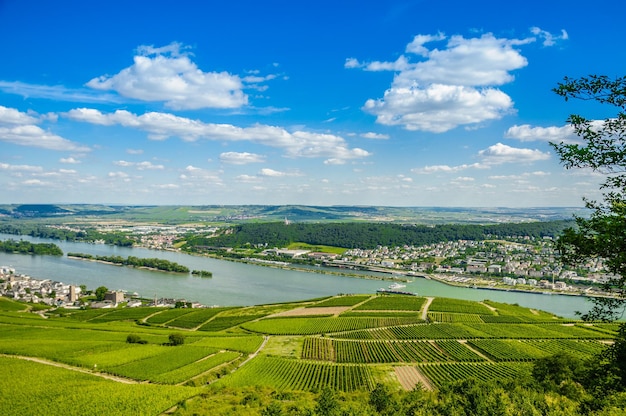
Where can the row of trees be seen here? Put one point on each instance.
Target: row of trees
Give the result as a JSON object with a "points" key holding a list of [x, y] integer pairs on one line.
{"points": [[368, 235], [132, 261]]}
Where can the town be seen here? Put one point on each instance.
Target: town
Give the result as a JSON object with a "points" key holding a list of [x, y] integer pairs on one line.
{"points": [[24, 288]]}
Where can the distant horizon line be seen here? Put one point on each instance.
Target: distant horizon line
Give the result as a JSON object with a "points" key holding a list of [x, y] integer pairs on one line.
{"points": [[294, 204]]}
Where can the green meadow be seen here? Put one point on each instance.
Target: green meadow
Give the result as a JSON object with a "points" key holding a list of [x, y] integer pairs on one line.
{"points": [[81, 361]]}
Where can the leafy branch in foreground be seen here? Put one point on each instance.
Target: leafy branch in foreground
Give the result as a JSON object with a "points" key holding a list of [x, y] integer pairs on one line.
{"points": [[603, 150]]}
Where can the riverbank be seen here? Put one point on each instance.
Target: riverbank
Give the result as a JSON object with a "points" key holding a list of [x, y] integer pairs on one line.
{"points": [[469, 282]]}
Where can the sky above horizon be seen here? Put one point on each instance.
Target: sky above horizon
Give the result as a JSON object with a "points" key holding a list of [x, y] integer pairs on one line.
{"points": [[395, 103]]}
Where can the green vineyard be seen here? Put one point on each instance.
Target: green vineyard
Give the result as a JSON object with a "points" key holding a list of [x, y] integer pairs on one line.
{"points": [[348, 343]]}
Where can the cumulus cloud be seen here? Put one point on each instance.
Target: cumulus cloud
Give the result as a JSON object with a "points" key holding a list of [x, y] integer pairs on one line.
{"points": [[449, 86], [271, 173], [375, 136], [527, 133], [493, 155], [19, 128], [167, 74], [500, 153], [161, 126], [243, 158]]}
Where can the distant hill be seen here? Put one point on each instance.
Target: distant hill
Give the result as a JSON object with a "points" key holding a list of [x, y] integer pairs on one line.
{"points": [[237, 214]]}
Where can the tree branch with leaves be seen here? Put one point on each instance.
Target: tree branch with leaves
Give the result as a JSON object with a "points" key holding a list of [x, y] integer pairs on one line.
{"points": [[602, 149]]}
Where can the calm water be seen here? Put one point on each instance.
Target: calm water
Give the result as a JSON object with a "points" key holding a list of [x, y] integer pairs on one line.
{"points": [[240, 284]]}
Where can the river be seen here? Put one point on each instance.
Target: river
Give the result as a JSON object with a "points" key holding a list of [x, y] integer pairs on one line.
{"points": [[240, 284]]}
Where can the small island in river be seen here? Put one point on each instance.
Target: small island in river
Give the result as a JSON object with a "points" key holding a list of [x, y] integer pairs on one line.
{"points": [[148, 263]]}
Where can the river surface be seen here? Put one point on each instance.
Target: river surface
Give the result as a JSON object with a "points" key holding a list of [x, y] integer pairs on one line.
{"points": [[240, 284]]}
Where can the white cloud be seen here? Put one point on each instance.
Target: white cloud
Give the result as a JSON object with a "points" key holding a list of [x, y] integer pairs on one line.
{"points": [[446, 168], [450, 86], [15, 117], [500, 153], [20, 168], [161, 126], [334, 161], [167, 74], [134, 151], [118, 174], [123, 163], [438, 108], [527, 133], [166, 186], [243, 158], [56, 92], [69, 160], [247, 179], [19, 128], [375, 136], [548, 38], [271, 173], [145, 165], [148, 166]]}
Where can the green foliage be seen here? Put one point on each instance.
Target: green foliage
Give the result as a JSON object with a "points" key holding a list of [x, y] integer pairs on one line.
{"points": [[26, 247], [393, 303], [458, 306], [553, 370], [9, 305], [133, 339], [55, 233], [309, 326], [281, 373], [28, 390], [364, 235], [132, 261], [100, 292], [603, 234], [177, 339]]}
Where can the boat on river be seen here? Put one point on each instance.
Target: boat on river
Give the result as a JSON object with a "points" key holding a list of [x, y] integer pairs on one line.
{"points": [[396, 286]]}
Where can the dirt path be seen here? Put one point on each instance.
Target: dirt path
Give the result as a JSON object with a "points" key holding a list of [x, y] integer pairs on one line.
{"points": [[72, 368], [474, 350], [254, 354], [429, 300]]}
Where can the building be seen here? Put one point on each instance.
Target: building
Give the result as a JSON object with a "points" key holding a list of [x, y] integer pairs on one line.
{"points": [[114, 296]]}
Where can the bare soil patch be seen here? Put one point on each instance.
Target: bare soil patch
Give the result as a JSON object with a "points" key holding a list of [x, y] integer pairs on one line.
{"points": [[409, 377], [331, 310]]}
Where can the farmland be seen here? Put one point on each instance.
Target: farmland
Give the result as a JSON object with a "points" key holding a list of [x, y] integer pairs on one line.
{"points": [[348, 343]]}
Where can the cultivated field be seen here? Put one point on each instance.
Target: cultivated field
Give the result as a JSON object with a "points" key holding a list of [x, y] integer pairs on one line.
{"points": [[346, 342]]}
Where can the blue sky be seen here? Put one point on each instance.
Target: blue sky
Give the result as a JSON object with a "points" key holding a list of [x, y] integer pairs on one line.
{"points": [[398, 103]]}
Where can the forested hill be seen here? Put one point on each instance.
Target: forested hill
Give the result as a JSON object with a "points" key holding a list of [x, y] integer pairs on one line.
{"points": [[370, 235]]}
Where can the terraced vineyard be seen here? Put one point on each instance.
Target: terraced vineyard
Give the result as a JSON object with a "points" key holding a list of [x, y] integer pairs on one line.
{"points": [[353, 347]]}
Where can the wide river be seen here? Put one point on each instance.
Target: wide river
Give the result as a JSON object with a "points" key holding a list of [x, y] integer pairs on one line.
{"points": [[238, 283]]}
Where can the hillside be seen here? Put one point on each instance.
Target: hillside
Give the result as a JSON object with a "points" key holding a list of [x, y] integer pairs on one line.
{"points": [[352, 344]]}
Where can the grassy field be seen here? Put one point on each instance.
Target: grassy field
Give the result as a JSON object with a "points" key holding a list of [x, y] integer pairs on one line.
{"points": [[82, 357]]}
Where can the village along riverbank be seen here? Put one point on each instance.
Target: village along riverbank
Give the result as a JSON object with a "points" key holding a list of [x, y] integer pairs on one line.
{"points": [[241, 284]]}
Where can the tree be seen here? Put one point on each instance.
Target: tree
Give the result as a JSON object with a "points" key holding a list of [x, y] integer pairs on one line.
{"points": [[603, 150], [100, 292], [327, 404], [177, 339]]}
